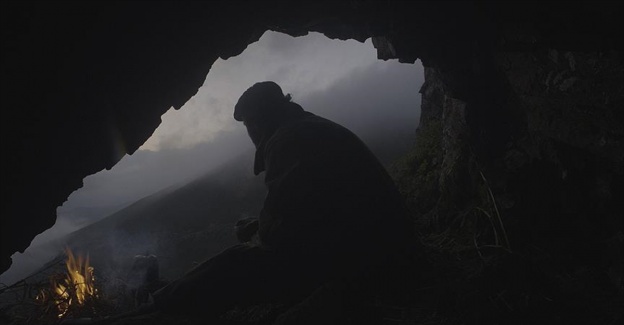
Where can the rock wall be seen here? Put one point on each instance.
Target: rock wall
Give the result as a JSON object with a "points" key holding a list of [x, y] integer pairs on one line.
{"points": [[564, 171], [523, 190], [555, 172]]}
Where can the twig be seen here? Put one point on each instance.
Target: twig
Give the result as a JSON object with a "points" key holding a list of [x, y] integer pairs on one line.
{"points": [[474, 239], [498, 217], [496, 241]]}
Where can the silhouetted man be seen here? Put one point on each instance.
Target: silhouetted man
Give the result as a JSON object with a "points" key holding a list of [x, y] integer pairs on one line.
{"points": [[331, 213]]}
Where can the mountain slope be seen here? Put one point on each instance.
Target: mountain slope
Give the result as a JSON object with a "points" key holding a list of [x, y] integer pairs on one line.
{"points": [[181, 226]]}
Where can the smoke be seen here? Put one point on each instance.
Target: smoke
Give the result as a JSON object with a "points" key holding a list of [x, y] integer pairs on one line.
{"points": [[115, 263]]}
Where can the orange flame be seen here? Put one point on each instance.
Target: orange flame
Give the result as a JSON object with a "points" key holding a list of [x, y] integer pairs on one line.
{"points": [[73, 288]]}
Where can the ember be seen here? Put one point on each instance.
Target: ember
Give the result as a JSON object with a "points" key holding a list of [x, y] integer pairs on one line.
{"points": [[72, 290]]}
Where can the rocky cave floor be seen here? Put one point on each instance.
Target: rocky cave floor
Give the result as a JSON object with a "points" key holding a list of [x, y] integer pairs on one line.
{"points": [[467, 286]]}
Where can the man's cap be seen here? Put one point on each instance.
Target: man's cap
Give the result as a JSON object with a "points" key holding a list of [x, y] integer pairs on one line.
{"points": [[261, 98]]}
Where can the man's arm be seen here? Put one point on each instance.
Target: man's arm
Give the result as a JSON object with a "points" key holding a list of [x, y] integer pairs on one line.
{"points": [[286, 187]]}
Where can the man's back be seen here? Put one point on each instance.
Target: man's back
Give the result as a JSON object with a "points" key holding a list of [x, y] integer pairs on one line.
{"points": [[328, 194], [331, 214]]}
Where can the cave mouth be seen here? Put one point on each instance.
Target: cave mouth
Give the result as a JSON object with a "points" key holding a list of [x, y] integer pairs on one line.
{"points": [[538, 52], [340, 80]]}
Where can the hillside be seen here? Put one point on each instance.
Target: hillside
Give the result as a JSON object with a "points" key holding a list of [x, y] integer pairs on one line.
{"points": [[180, 225]]}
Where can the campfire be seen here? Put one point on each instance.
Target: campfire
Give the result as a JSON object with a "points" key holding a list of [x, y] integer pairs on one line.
{"points": [[67, 291], [73, 292]]}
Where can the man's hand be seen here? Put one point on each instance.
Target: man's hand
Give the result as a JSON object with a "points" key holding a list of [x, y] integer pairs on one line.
{"points": [[245, 229]]}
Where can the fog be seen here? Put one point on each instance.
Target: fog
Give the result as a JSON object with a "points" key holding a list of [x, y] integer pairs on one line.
{"points": [[340, 80]]}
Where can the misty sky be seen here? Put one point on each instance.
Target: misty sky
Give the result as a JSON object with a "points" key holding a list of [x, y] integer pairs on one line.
{"points": [[341, 80], [302, 66]]}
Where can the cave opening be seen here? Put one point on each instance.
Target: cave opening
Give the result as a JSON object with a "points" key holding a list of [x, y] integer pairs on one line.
{"points": [[341, 80], [561, 68]]}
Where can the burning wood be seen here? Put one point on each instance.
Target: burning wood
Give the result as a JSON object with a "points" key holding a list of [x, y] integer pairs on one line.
{"points": [[66, 292], [72, 292]]}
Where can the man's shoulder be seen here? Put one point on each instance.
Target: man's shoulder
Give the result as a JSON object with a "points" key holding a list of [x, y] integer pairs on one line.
{"points": [[293, 133], [313, 133], [309, 124]]}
